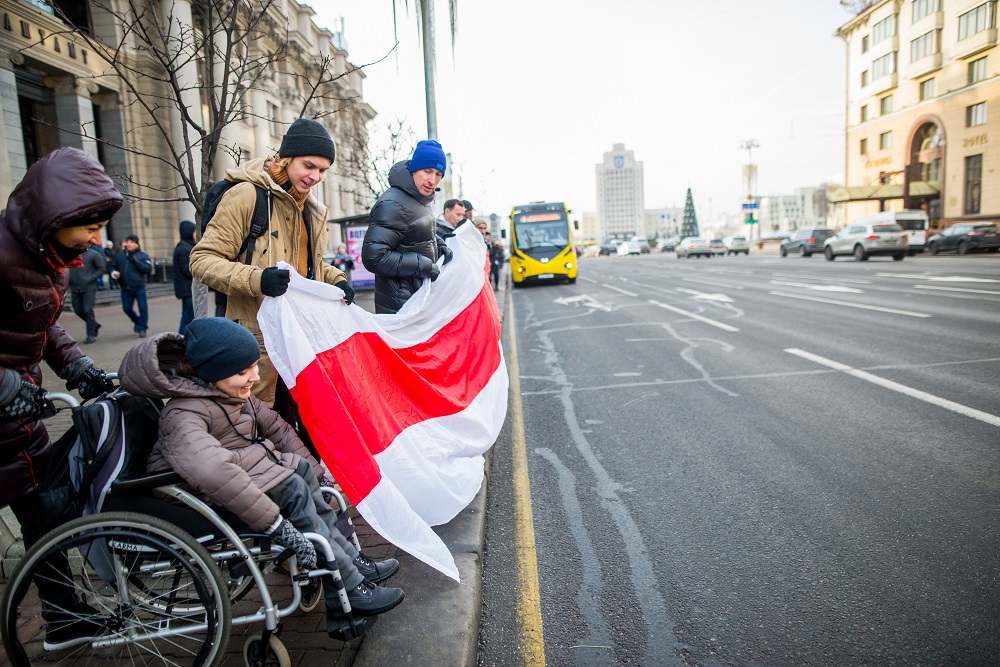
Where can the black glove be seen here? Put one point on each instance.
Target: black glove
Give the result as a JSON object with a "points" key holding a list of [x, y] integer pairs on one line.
{"points": [[288, 536], [29, 401], [435, 271], [445, 252], [274, 281], [348, 291], [91, 383]]}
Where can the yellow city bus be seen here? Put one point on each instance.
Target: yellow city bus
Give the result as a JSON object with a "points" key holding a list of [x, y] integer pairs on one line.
{"points": [[541, 244]]}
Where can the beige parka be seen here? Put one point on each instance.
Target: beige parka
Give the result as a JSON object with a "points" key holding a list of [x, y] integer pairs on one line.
{"points": [[215, 263]]}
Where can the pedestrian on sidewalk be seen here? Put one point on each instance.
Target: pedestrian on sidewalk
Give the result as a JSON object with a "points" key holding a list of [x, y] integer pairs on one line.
{"points": [[239, 454], [53, 215], [109, 259], [99, 249], [343, 261], [131, 266], [468, 209], [401, 245], [182, 273], [496, 262], [83, 286], [449, 220], [297, 234]]}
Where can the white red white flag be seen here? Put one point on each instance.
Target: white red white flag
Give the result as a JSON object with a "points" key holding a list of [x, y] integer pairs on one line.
{"points": [[400, 407]]}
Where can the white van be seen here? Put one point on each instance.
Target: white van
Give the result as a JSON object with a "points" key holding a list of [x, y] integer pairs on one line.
{"points": [[914, 223]]}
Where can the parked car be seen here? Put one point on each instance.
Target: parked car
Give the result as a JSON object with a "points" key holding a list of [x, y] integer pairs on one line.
{"points": [[717, 246], [644, 247], [629, 248], [609, 249], [914, 223], [806, 241], [693, 246], [865, 240], [966, 237], [666, 245], [736, 245]]}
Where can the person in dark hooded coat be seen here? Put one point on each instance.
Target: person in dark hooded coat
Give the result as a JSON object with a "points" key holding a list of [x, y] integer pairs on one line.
{"points": [[401, 245], [53, 215], [182, 273]]}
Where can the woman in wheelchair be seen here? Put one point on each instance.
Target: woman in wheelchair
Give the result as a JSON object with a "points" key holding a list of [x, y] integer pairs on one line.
{"points": [[238, 454]]}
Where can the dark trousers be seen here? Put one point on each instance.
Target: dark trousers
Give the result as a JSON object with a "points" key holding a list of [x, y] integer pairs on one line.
{"points": [[187, 314], [495, 275], [52, 576], [136, 297], [83, 306]]}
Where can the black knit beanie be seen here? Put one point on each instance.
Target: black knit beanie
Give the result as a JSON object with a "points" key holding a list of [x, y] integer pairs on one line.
{"points": [[307, 137], [218, 348]]}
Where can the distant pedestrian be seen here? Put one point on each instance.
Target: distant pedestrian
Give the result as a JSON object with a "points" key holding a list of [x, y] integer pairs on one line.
{"points": [[109, 258], [131, 266], [182, 273], [83, 286], [104, 267], [468, 209], [481, 226], [451, 218], [401, 245], [496, 263], [343, 261]]}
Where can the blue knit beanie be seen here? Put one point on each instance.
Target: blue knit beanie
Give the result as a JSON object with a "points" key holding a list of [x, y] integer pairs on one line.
{"points": [[428, 154], [218, 348]]}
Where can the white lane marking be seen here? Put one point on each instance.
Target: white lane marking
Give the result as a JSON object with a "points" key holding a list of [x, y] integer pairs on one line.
{"points": [[586, 279], [956, 289], [938, 279], [820, 288], [709, 282], [584, 300], [619, 289], [901, 388], [892, 311], [704, 296], [807, 277], [721, 325]]}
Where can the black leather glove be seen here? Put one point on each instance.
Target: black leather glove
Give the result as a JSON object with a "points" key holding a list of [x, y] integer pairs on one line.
{"points": [[29, 401], [435, 271], [445, 252], [288, 536], [91, 383], [348, 291], [274, 281]]}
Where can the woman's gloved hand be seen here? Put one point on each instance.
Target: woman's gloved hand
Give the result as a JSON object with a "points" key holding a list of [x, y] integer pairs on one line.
{"points": [[27, 401]]}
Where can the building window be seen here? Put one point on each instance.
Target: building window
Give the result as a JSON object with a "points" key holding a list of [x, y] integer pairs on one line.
{"points": [[977, 19], [975, 115], [884, 66], [884, 29], [864, 78], [864, 112], [977, 70], [866, 43], [922, 8], [272, 120], [973, 182], [864, 147], [926, 89], [885, 105], [926, 45], [885, 140]]}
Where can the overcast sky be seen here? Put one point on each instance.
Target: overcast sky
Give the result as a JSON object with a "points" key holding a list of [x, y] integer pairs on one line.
{"points": [[538, 90]]}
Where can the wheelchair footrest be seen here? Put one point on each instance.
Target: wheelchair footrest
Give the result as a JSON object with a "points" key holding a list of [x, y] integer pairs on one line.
{"points": [[345, 629]]}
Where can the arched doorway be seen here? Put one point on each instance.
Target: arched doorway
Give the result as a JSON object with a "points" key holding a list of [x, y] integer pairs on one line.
{"points": [[924, 169]]}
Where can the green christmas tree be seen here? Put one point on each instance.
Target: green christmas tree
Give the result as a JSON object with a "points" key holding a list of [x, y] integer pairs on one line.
{"points": [[689, 224]]}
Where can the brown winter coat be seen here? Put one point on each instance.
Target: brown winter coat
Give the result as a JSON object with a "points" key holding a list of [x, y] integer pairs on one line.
{"points": [[61, 188], [213, 454], [214, 260]]}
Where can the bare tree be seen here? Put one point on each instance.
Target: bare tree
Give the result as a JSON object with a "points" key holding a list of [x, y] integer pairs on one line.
{"points": [[369, 161], [190, 73]]}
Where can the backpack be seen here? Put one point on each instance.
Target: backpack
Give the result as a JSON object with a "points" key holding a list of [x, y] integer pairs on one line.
{"points": [[262, 210]]}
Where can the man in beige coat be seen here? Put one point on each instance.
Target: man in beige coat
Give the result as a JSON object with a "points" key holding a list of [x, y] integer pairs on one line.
{"points": [[297, 233]]}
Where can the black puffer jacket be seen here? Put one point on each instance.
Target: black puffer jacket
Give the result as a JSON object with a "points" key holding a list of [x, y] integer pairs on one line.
{"points": [[62, 187], [400, 245]]}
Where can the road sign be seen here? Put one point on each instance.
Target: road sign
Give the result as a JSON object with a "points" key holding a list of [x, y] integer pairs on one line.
{"points": [[750, 206]]}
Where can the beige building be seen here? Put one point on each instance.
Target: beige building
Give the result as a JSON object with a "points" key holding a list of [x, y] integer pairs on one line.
{"points": [[923, 110], [620, 197], [55, 90]]}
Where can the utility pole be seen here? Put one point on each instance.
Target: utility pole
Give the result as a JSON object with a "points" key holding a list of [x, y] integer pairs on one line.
{"points": [[751, 174]]}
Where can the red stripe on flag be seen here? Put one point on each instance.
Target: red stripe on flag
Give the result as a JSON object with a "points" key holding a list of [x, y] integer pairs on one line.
{"points": [[357, 397]]}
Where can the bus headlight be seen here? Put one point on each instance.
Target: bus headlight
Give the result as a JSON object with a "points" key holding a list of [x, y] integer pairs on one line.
{"points": [[521, 269], [569, 265]]}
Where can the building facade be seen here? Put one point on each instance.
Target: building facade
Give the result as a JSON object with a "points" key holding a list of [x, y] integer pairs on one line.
{"points": [[56, 90], [620, 197], [806, 207], [923, 110]]}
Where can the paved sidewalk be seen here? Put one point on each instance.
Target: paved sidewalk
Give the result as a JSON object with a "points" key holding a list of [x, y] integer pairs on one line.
{"points": [[438, 622]]}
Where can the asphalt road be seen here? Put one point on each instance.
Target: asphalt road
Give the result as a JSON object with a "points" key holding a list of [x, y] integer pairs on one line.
{"points": [[754, 461]]}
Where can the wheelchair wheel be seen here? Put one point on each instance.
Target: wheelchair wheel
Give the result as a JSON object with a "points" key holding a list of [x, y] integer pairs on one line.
{"points": [[255, 654], [135, 589]]}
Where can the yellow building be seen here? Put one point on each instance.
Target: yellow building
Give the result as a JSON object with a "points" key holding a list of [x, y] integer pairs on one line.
{"points": [[923, 110], [56, 90]]}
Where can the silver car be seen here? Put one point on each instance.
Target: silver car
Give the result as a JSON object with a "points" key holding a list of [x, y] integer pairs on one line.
{"points": [[693, 246], [864, 241]]}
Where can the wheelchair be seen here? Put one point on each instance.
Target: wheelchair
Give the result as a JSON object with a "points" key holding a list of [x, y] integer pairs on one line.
{"points": [[150, 591]]}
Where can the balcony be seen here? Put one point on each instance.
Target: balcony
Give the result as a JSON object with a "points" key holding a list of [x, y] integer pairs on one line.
{"points": [[970, 46], [882, 84], [929, 22], [925, 65]]}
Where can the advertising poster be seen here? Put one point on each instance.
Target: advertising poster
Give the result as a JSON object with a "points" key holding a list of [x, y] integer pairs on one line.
{"points": [[361, 278]]}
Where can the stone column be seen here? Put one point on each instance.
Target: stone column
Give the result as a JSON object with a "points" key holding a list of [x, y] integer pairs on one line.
{"points": [[109, 109], [180, 31], [74, 112], [13, 162], [262, 126]]}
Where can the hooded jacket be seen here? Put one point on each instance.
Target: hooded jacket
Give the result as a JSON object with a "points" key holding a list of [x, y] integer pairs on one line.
{"points": [[401, 244], [215, 263], [182, 261], [207, 436], [33, 285], [84, 278]]}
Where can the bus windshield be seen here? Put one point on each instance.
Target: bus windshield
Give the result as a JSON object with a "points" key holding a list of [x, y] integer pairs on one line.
{"points": [[541, 230]]}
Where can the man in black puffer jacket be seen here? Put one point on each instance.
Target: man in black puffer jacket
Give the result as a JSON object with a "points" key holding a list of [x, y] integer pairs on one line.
{"points": [[401, 245]]}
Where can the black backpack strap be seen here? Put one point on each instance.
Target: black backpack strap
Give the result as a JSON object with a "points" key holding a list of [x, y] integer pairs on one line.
{"points": [[259, 222]]}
